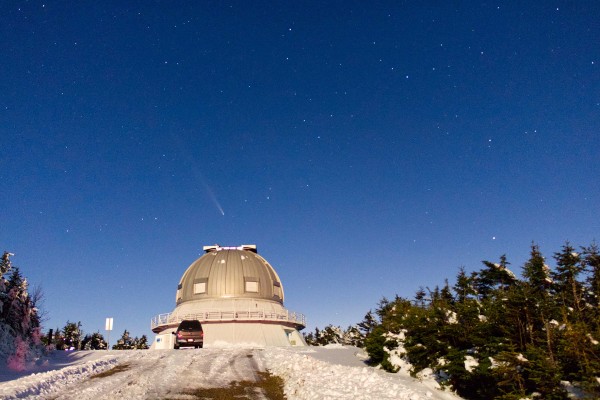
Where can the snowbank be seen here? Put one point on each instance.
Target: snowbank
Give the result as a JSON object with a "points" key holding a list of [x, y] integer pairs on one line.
{"points": [[39, 384], [307, 376], [315, 373]]}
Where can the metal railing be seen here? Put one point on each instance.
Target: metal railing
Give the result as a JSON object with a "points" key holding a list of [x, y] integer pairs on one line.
{"points": [[217, 315]]}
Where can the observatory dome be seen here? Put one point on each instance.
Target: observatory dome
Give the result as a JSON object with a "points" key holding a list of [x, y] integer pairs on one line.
{"points": [[230, 272], [237, 297]]}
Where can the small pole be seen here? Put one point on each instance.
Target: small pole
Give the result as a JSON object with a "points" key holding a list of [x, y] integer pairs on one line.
{"points": [[109, 326]]}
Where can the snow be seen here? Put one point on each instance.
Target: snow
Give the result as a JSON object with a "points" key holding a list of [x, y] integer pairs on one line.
{"points": [[574, 392], [508, 271], [522, 358], [470, 363], [451, 317], [330, 372], [397, 356]]}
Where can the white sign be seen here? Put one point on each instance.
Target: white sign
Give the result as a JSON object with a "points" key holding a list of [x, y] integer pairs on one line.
{"points": [[109, 323]]}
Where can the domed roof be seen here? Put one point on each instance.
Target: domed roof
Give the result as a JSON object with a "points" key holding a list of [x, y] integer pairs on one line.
{"points": [[230, 272]]}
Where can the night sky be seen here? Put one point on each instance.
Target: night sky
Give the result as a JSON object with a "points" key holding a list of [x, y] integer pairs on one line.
{"points": [[367, 149]]}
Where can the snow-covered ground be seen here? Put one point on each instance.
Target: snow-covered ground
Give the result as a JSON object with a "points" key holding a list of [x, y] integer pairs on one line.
{"points": [[331, 372]]}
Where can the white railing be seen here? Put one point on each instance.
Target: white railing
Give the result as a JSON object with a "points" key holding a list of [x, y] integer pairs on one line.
{"points": [[217, 315]]}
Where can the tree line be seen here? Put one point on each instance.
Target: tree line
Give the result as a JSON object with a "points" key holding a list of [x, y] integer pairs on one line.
{"points": [[21, 340], [71, 337], [493, 335]]}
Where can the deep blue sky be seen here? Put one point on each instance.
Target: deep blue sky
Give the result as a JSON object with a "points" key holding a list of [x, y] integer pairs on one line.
{"points": [[366, 148]]}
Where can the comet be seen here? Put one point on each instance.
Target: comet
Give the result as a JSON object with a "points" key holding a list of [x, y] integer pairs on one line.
{"points": [[212, 196]]}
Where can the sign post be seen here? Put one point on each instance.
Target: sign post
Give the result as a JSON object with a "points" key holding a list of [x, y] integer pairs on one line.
{"points": [[108, 327]]}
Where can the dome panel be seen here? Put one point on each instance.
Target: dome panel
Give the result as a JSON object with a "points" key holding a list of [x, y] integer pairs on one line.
{"points": [[226, 272]]}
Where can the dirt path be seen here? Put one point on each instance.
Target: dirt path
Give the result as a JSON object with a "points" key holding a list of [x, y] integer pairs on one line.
{"points": [[168, 374]]}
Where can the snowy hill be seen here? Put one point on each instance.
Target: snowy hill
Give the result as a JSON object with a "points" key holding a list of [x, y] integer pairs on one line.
{"points": [[309, 373]]}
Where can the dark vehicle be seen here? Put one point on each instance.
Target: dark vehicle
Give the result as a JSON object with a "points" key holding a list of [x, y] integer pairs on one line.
{"points": [[189, 334]]}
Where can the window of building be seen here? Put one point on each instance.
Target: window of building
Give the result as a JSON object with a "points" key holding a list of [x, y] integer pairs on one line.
{"points": [[200, 285], [178, 295], [251, 285], [277, 289]]}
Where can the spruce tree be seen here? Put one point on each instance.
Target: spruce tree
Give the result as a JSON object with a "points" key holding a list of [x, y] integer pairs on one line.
{"points": [[353, 337], [125, 342], [536, 272], [309, 338], [14, 308], [374, 345], [566, 284], [464, 287], [330, 335], [72, 335], [5, 264], [5, 267], [317, 335], [538, 306], [368, 323], [142, 343], [420, 297], [95, 341], [591, 257], [543, 375], [508, 373], [58, 339], [495, 276], [19, 319]]}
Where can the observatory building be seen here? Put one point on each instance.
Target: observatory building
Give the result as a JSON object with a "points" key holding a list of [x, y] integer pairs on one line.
{"points": [[238, 298]]}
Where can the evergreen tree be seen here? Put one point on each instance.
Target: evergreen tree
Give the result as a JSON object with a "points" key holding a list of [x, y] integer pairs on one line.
{"points": [[383, 308], [494, 336], [5, 264], [368, 323], [329, 335], [22, 314], [538, 306], [19, 319], [495, 276], [72, 335], [353, 337], [420, 297], [543, 375], [58, 340], [591, 257], [566, 284], [446, 293], [5, 267], [15, 306], [95, 341], [508, 372], [309, 338], [125, 342], [141, 343], [334, 334], [316, 336], [536, 272], [374, 345], [464, 287]]}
